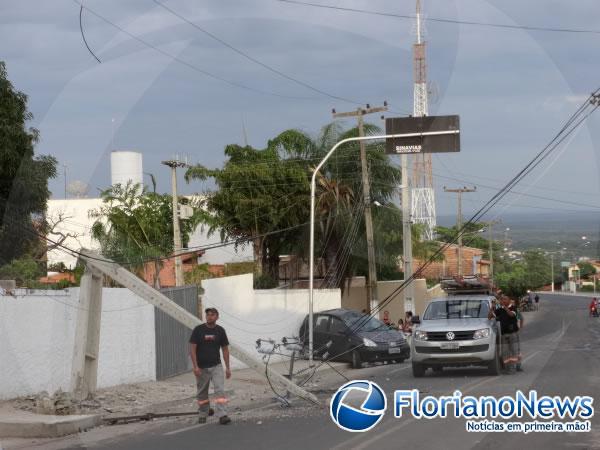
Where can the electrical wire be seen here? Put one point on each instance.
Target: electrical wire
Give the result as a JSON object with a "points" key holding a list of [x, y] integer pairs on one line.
{"points": [[185, 63], [445, 20], [254, 60], [83, 35], [570, 126]]}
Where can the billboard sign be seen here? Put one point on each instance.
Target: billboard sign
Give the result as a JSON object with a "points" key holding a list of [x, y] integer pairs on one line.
{"points": [[440, 143]]}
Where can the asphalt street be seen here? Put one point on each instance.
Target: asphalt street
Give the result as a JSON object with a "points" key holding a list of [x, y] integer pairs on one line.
{"points": [[561, 349]]}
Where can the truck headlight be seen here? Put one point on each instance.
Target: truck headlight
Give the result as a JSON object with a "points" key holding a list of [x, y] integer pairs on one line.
{"points": [[420, 335], [369, 343], [481, 334]]}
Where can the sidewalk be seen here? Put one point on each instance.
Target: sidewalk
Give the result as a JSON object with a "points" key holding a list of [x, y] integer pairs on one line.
{"points": [[246, 389]]}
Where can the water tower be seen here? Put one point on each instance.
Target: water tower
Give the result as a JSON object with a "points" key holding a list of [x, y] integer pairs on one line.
{"points": [[126, 166]]}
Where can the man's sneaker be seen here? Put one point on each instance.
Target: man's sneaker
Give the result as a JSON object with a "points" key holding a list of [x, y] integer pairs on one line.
{"points": [[211, 412], [519, 369], [201, 420], [224, 420]]}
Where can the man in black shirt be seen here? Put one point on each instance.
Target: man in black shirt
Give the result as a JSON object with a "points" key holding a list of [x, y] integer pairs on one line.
{"points": [[509, 326], [206, 343]]}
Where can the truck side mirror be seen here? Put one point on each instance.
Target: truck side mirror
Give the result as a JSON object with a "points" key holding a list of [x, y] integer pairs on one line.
{"points": [[415, 319]]}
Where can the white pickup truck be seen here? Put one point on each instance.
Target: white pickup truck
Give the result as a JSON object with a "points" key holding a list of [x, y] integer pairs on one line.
{"points": [[455, 331]]}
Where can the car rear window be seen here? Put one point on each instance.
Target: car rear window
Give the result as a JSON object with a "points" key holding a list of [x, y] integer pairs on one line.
{"points": [[456, 309]]}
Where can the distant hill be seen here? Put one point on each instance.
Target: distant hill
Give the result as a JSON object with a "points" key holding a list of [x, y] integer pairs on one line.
{"points": [[544, 230]]}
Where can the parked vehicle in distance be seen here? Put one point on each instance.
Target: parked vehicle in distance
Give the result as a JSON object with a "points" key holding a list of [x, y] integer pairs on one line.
{"points": [[455, 331], [347, 335]]}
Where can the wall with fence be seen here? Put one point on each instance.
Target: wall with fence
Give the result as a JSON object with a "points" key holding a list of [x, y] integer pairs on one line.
{"points": [[37, 332], [247, 314]]}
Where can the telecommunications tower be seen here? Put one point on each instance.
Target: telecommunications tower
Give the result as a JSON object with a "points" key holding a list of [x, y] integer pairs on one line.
{"points": [[423, 197]]}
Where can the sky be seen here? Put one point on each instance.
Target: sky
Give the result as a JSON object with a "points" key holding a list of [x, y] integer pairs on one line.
{"points": [[513, 89]]}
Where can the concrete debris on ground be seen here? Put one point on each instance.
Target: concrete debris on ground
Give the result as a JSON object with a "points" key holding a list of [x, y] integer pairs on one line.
{"points": [[177, 394]]}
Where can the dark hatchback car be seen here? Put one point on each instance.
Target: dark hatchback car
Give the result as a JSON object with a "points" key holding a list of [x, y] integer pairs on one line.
{"points": [[347, 335]]}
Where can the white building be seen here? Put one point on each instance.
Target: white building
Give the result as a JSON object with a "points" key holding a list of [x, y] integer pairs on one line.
{"points": [[74, 221]]}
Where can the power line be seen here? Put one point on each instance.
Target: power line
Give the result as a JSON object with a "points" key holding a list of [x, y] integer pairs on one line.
{"points": [[253, 59], [570, 126], [185, 63], [84, 40], [445, 20]]}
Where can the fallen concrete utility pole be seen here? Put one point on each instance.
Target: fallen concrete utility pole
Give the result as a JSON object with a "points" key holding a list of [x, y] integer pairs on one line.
{"points": [[162, 302]]}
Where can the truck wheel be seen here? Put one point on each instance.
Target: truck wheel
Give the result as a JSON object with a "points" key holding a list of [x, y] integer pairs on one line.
{"points": [[494, 365], [438, 369], [418, 370], [356, 362]]}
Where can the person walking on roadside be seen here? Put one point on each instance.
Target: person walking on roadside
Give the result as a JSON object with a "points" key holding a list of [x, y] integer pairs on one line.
{"points": [[520, 322], [509, 325], [537, 302], [206, 343]]}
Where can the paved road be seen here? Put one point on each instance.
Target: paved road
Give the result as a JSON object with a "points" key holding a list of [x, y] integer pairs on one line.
{"points": [[561, 347]]}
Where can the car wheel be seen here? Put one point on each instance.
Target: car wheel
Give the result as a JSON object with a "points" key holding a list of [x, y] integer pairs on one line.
{"points": [[356, 362], [494, 365], [418, 370], [399, 361]]}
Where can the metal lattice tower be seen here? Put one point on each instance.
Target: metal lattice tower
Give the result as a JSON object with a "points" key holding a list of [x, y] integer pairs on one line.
{"points": [[423, 196]]}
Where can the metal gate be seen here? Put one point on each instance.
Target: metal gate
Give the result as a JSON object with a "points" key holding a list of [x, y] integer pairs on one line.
{"points": [[171, 336]]}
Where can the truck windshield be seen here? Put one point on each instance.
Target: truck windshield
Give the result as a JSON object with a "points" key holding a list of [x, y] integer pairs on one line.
{"points": [[456, 309]]}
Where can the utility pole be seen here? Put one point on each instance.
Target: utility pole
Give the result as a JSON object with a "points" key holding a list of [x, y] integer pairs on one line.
{"points": [[174, 164], [65, 176], [460, 192], [552, 271], [491, 248], [406, 204], [372, 297]]}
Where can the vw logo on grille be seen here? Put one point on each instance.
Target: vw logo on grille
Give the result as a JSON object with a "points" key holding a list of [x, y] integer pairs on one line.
{"points": [[450, 336]]}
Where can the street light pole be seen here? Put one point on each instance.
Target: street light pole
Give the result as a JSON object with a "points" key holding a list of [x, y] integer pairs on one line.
{"points": [[312, 217]]}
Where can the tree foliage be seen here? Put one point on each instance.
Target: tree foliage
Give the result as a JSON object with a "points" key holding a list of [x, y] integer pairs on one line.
{"points": [[134, 226], [586, 269], [260, 192], [23, 176], [532, 272]]}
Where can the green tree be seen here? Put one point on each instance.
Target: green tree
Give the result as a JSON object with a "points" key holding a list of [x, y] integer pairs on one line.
{"points": [[264, 191], [134, 226], [23, 177], [532, 272], [586, 269], [258, 192], [513, 283], [23, 270]]}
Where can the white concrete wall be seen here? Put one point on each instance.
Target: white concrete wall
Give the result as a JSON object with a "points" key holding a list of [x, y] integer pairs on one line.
{"points": [[37, 336], [77, 222], [248, 315]]}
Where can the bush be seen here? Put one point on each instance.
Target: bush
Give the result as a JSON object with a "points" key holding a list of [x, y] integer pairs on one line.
{"points": [[239, 268], [197, 274], [21, 270], [264, 281]]}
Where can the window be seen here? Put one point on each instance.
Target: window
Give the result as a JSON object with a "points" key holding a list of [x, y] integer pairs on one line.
{"points": [[321, 323], [337, 326], [456, 309]]}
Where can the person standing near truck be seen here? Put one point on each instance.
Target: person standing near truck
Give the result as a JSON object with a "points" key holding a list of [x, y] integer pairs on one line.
{"points": [[206, 343], [509, 326]]}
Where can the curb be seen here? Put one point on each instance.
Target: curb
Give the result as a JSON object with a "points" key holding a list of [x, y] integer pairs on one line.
{"points": [[41, 426]]}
